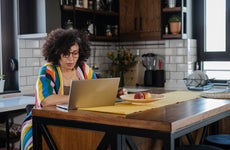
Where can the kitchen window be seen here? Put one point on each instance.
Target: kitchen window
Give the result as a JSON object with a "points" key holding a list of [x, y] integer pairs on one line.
{"points": [[213, 38]]}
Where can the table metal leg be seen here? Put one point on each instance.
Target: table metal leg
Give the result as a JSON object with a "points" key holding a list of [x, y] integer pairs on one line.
{"points": [[169, 143], [132, 145], [37, 136], [7, 134], [204, 134], [48, 138], [116, 141]]}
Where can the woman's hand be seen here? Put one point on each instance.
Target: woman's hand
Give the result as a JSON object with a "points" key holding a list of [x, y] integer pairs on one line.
{"points": [[54, 100]]}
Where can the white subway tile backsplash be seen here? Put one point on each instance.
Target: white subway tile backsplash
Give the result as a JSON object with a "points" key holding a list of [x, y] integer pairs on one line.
{"points": [[176, 59], [36, 70], [37, 52], [31, 80], [26, 71], [170, 51], [182, 67], [22, 62], [167, 44], [182, 51], [42, 61], [41, 42], [176, 75], [176, 43], [170, 67], [181, 84], [186, 44], [191, 59], [32, 62], [152, 42], [167, 58], [159, 51], [32, 44], [26, 53], [167, 75], [22, 44], [27, 88], [23, 81], [192, 43], [179, 55], [152, 46]]}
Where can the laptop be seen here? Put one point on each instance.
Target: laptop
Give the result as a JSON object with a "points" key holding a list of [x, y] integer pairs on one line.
{"points": [[92, 93]]}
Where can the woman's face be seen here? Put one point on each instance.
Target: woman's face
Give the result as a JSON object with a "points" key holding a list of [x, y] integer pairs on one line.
{"points": [[69, 60]]}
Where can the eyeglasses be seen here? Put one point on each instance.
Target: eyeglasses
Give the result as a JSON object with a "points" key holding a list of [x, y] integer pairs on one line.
{"points": [[75, 54]]}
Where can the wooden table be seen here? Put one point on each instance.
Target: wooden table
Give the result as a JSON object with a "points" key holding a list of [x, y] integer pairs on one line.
{"points": [[13, 106], [167, 123]]}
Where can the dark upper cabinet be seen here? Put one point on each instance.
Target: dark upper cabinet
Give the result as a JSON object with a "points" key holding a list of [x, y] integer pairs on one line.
{"points": [[99, 19], [38, 16], [140, 20]]}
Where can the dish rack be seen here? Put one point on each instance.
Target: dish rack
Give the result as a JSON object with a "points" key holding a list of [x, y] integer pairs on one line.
{"points": [[199, 87]]}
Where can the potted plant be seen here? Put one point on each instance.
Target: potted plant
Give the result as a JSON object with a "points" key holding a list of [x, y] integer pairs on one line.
{"points": [[122, 60], [2, 83], [175, 24]]}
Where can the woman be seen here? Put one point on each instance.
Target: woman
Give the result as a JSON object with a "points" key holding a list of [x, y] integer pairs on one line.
{"points": [[66, 52]]}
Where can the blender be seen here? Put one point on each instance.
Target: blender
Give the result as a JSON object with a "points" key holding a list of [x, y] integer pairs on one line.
{"points": [[149, 62]]}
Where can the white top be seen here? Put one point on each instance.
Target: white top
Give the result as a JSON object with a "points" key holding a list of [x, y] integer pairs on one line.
{"points": [[15, 103]]}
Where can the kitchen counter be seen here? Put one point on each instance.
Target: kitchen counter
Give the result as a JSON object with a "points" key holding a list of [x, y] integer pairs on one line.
{"points": [[15, 103]]}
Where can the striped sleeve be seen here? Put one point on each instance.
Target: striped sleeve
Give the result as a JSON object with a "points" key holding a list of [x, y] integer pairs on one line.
{"points": [[48, 83]]}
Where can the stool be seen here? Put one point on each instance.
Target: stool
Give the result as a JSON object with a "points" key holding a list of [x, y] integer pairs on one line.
{"points": [[198, 147], [219, 140]]}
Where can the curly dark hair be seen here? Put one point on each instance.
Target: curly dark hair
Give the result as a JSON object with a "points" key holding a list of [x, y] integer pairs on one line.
{"points": [[59, 42]]}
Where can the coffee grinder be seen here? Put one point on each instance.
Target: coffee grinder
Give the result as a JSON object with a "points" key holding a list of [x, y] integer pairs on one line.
{"points": [[149, 62]]}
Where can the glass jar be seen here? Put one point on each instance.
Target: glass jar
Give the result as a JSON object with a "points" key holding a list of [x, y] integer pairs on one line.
{"points": [[115, 30], [108, 30], [90, 5], [68, 24], [97, 5]]}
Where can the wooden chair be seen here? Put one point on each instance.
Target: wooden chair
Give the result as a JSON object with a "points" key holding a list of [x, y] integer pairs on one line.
{"points": [[9, 132], [29, 108]]}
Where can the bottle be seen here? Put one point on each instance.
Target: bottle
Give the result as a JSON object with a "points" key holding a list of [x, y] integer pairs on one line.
{"points": [[77, 3], [67, 2], [80, 3], [115, 30], [85, 3], [90, 27], [166, 29], [108, 30], [97, 5], [90, 4]]}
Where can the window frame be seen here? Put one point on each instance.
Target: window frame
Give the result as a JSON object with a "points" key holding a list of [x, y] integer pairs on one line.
{"points": [[199, 23]]}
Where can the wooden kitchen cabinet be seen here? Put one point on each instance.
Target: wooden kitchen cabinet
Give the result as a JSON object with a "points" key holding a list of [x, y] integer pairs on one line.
{"points": [[81, 17], [140, 20]]}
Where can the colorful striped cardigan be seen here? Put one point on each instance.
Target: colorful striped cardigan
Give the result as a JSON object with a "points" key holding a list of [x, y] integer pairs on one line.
{"points": [[49, 82]]}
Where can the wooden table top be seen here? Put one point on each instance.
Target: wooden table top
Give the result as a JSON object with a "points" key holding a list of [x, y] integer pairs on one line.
{"points": [[168, 118]]}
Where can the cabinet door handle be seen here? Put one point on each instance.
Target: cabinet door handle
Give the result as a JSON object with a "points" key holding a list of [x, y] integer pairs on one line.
{"points": [[140, 23], [135, 23]]}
